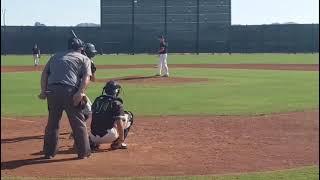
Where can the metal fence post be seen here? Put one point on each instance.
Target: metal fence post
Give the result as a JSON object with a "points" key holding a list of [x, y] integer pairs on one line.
{"points": [[198, 18], [165, 19], [312, 39], [4, 32], [4, 40], [229, 39], [132, 27]]}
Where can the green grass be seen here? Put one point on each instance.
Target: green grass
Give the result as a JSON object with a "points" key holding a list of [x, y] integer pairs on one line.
{"points": [[228, 92], [181, 59], [305, 173]]}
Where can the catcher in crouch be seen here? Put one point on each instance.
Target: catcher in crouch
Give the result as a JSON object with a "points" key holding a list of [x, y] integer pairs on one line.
{"points": [[110, 122]]}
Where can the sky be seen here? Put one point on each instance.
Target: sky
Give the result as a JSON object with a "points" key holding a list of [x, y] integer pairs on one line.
{"points": [[73, 12]]}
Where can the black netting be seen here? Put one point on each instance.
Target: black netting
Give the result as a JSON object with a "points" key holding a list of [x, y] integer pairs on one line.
{"points": [[133, 26]]}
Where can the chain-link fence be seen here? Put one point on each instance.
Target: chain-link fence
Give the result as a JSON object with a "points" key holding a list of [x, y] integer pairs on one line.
{"points": [[190, 26], [117, 38]]}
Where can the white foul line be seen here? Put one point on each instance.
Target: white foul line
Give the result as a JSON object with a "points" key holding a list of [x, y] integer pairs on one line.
{"points": [[16, 119]]}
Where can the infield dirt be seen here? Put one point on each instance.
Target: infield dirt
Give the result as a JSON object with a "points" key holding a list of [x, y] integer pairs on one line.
{"points": [[171, 145]]}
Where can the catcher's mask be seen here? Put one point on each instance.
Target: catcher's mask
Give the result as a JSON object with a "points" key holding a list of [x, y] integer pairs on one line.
{"points": [[75, 44], [90, 50], [112, 88]]}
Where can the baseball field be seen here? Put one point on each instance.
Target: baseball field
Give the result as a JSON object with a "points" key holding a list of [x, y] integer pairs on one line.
{"points": [[238, 116]]}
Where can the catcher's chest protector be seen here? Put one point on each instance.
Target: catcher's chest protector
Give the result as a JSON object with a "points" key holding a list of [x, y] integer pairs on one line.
{"points": [[103, 109]]}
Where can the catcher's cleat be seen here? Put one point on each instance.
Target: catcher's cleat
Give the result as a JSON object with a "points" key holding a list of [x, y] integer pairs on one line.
{"points": [[124, 146], [48, 157], [119, 146], [84, 157]]}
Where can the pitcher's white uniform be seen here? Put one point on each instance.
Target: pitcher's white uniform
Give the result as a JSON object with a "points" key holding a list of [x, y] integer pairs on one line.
{"points": [[163, 65], [36, 55]]}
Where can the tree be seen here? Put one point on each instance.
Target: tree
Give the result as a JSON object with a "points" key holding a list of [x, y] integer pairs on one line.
{"points": [[87, 25], [290, 23], [38, 24]]}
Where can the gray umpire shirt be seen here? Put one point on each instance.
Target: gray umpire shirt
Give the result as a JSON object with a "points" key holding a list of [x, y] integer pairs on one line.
{"points": [[68, 68]]}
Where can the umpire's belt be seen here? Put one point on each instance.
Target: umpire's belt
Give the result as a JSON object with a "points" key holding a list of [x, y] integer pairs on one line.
{"points": [[72, 88], [62, 84], [59, 84]]}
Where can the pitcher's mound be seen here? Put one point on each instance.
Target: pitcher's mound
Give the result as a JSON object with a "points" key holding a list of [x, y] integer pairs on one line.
{"points": [[154, 80]]}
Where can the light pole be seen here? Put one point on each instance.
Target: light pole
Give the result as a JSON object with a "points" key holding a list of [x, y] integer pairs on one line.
{"points": [[4, 30], [3, 12]]}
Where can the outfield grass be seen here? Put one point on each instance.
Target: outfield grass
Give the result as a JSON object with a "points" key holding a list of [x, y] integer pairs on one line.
{"points": [[227, 92], [181, 59], [305, 173]]}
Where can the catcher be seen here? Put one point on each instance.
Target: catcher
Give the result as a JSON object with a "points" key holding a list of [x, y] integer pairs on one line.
{"points": [[110, 123]]}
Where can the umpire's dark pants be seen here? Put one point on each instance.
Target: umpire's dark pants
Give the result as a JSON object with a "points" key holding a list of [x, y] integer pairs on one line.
{"points": [[60, 97]]}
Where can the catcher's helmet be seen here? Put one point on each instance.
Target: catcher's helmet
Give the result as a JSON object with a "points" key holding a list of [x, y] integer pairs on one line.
{"points": [[75, 44], [112, 88], [90, 50]]}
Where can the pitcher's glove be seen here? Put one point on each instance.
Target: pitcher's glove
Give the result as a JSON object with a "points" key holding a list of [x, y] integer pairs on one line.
{"points": [[93, 68]]}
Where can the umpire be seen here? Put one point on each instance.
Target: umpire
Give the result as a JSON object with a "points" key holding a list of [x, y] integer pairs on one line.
{"points": [[63, 82]]}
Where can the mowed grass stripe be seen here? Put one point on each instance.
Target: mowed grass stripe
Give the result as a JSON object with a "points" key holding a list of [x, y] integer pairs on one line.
{"points": [[270, 58], [227, 92]]}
